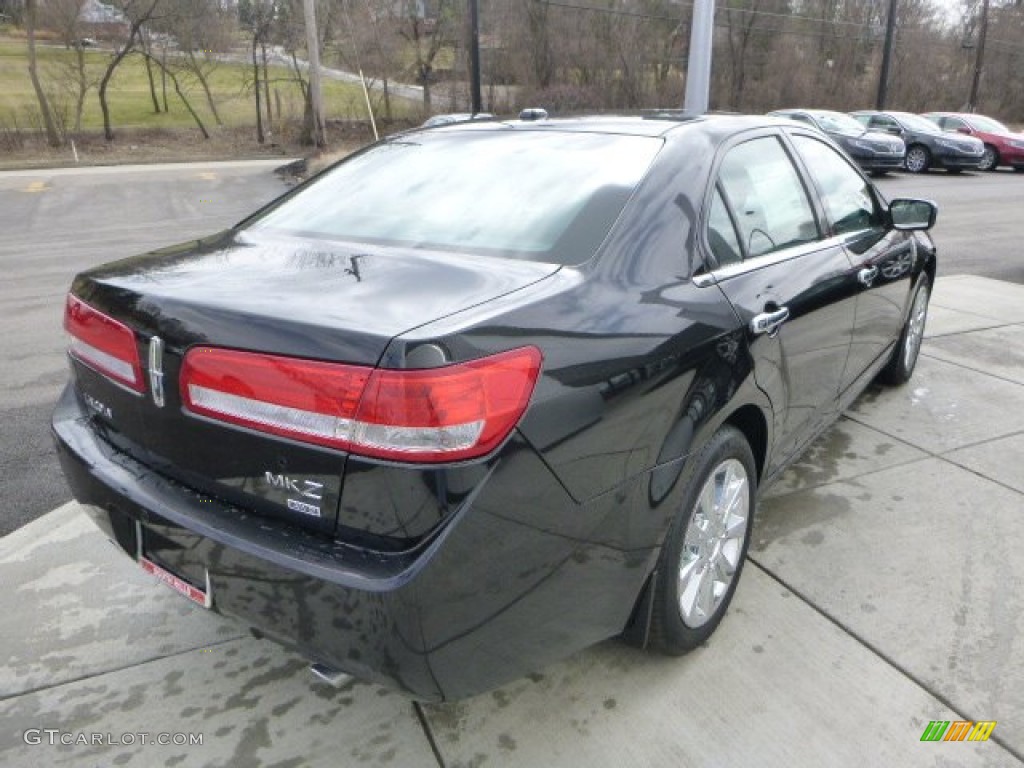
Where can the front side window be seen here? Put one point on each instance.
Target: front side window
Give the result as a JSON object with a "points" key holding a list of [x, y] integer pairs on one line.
{"points": [[765, 193], [844, 192]]}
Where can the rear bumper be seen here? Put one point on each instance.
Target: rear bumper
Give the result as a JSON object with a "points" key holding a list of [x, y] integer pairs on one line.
{"points": [[500, 589]]}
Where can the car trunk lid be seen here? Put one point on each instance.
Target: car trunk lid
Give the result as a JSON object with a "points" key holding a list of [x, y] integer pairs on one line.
{"points": [[324, 301]]}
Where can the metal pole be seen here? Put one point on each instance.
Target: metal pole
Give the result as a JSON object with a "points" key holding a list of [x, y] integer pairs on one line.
{"points": [[313, 46], [979, 61], [883, 76], [474, 57], [698, 68]]}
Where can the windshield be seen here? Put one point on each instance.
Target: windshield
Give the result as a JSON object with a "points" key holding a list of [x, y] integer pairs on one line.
{"points": [[982, 123], [837, 121], [539, 195], [916, 122]]}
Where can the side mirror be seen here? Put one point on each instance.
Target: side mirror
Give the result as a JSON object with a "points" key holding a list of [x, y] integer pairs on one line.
{"points": [[909, 214]]}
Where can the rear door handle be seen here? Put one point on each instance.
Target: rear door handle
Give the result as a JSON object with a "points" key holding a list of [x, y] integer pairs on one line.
{"points": [[867, 275], [769, 322]]}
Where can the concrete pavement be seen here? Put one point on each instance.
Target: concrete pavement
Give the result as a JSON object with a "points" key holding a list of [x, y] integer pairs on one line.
{"points": [[882, 593]]}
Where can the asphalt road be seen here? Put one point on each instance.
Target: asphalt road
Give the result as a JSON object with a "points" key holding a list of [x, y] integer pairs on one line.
{"points": [[980, 223], [56, 223]]}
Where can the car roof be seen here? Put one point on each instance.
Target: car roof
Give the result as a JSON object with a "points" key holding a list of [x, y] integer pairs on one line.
{"points": [[654, 123]]}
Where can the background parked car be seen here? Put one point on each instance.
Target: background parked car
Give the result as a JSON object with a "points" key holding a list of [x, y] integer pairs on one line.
{"points": [[873, 150], [454, 117], [1002, 146], [927, 145]]}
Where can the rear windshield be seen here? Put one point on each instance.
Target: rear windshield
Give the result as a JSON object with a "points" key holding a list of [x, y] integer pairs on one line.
{"points": [[539, 195]]}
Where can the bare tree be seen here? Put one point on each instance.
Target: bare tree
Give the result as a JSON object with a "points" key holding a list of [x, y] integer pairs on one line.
{"points": [[204, 32], [258, 16], [63, 17], [52, 137], [138, 13], [426, 35], [72, 75]]}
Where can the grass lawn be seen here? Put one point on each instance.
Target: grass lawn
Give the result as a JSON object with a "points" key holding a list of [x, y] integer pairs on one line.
{"points": [[129, 96]]}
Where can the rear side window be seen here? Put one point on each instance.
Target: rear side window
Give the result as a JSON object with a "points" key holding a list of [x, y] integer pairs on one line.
{"points": [[764, 191], [537, 195], [722, 239], [846, 195]]}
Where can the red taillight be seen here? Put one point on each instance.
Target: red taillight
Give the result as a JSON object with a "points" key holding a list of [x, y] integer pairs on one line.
{"points": [[103, 343], [451, 413]]}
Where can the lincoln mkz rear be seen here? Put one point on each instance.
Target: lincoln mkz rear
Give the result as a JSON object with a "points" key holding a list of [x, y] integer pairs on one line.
{"points": [[483, 395]]}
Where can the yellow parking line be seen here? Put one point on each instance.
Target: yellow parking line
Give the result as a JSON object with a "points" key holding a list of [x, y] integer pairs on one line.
{"points": [[208, 176], [37, 186]]}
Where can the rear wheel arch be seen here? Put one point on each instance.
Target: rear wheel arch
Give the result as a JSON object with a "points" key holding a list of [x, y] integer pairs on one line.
{"points": [[750, 420]]}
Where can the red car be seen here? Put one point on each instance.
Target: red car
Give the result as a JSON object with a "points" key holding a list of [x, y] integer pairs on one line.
{"points": [[1002, 146]]}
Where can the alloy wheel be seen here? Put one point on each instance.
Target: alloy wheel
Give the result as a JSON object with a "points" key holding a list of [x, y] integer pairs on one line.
{"points": [[988, 160], [917, 160], [915, 328], [713, 544]]}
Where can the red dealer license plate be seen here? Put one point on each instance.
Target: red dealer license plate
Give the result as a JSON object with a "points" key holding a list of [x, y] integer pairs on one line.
{"points": [[195, 594]]}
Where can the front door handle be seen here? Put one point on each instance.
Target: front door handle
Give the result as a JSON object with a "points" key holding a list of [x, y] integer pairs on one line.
{"points": [[867, 276], [769, 322]]}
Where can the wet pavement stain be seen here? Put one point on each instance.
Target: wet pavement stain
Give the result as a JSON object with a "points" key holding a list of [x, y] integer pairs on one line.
{"points": [[782, 517]]}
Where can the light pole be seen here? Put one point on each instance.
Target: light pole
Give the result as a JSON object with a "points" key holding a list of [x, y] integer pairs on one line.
{"points": [[474, 57], [883, 76], [698, 67], [979, 60]]}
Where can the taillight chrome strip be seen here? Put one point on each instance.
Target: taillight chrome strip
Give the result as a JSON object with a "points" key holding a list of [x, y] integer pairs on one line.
{"points": [[270, 414], [102, 361], [453, 437], [449, 413], [334, 429]]}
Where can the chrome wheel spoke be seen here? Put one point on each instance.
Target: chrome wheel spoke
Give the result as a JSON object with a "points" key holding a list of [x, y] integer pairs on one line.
{"points": [[724, 569], [705, 595], [735, 527]]}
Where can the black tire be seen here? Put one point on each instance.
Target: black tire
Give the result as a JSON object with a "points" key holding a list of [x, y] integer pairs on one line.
{"points": [[918, 159], [989, 160], [675, 630], [901, 365], [954, 171]]}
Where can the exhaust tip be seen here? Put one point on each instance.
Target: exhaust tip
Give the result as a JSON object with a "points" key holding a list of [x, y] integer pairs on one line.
{"points": [[332, 677]]}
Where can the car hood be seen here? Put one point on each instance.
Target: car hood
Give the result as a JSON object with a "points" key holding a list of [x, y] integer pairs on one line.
{"points": [[881, 139]]}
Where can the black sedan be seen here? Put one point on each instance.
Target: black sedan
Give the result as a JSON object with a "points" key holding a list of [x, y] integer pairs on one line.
{"points": [[872, 150], [928, 146], [482, 395]]}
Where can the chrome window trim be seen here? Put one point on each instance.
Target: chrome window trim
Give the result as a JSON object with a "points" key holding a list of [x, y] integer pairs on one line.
{"points": [[770, 259]]}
